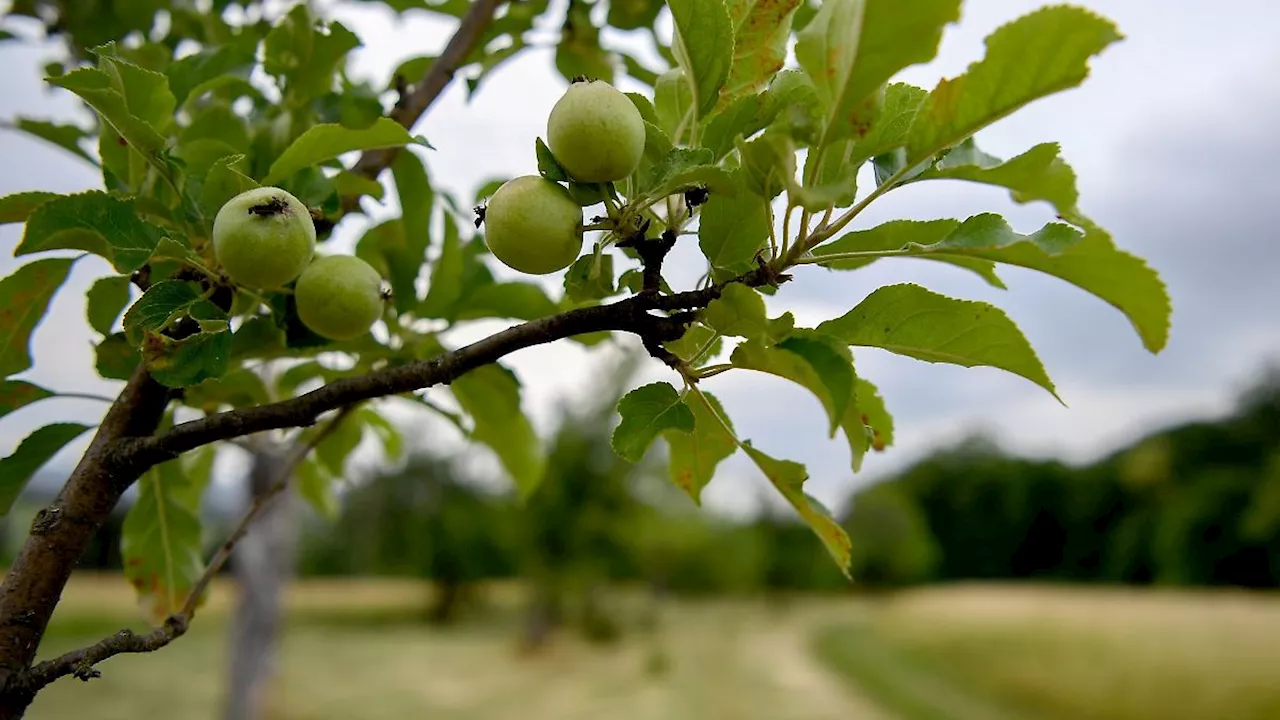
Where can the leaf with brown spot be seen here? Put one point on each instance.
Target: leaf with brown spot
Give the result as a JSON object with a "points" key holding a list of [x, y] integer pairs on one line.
{"points": [[15, 394], [24, 298], [761, 29]]}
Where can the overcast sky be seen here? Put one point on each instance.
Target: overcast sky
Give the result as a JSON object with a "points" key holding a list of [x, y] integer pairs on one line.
{"points": [[1173, 138]]}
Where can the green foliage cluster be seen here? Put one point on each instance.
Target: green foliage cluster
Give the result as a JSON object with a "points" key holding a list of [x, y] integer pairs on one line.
{"points": [[756, 161]]}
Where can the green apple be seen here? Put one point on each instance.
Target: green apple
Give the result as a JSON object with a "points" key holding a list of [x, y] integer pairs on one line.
{"points": [[263, 238], [533, 225], [596, 133], [339, 297]]}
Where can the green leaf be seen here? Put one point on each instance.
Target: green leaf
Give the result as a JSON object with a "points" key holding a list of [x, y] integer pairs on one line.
{"points": [[912, 321], [643, 104], [446, 277], [768, 163], [789, 478], [190, 75], [672, 101], [1090, 261], [832, 365], [1037, 174], [105, 301], [900, 235], [491, 396], [146, 92], [327, 141], [160, 306], [18, 207], [548, 166], [589, 278], [1039, 54], [694, 340], [223, 182], [518, 300], [695, 454], [853, 47], [704, 45], [875, 415], [306, 53], [733, 228], [95, 222], [682, 169], [316, 486], [633, 14], [646, 412], [97, 88], [67, 137], [831, 178], [160, 541], [417, 200], [332, 452], [239, 388], [578, 51], [24, 299], [115, 358], [815, 368], [738, 312], [902, 103], [392, 440], [385, 246], [761, 30], [16, 394], [32, 453], [741, 118]]}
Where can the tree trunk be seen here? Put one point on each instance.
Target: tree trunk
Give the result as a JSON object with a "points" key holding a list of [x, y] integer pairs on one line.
{"points": [[263, 563]]}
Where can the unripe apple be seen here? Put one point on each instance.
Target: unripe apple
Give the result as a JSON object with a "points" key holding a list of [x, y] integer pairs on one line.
{"points": [[533, 225], [339, 297], [263, 237], [596, 133]]}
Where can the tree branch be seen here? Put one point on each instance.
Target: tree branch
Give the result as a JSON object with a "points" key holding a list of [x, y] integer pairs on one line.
{"points": [[417, 98], [80, 663]]}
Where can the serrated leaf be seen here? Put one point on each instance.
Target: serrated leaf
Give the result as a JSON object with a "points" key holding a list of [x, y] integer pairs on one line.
{"points": [[1090, 261], [97, 89], [306, 57], [902, 102], [853, 47], [682, 169], [179, 363], [647, 412], [95, 222], [491, 396], [694, 455], [146, 92], [105, 301], [24, 299], [18, 207], [160, 541], [899, 235], [162, 303], [733, 228], [32, 453], [789, 478], [548, 166], [704, 42], [327, 141], [738, 312], [912, 321], [1036, 55], [190, 74], [761, 30], [16, 394], [517, 300], [67, 137]]}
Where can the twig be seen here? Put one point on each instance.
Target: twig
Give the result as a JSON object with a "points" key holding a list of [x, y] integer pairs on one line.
{"points": [[417, 98], [80, 663]]}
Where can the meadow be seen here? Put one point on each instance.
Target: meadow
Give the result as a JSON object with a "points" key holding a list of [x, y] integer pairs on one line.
{"points": [[357, 649]]}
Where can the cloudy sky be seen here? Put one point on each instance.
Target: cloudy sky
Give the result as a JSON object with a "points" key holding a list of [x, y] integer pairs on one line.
{"points": [[1173, 138]]}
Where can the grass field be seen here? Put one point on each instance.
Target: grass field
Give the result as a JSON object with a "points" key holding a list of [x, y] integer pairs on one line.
{"points": [[995, 653], [355, 651]]}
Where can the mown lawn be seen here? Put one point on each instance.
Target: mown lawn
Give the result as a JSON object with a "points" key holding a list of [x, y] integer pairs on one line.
{"points": [[356, 650], [996, 653]]}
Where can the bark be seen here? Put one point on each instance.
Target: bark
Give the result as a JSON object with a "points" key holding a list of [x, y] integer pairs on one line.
{"points": [[263, 562]]}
